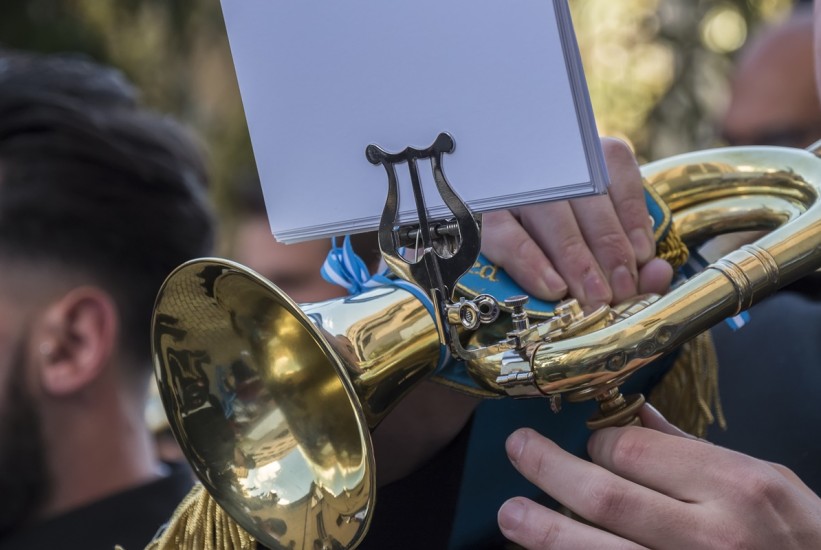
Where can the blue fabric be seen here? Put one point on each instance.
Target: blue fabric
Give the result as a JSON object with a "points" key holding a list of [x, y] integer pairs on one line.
{"points": [[659, 211], [487, 278]]}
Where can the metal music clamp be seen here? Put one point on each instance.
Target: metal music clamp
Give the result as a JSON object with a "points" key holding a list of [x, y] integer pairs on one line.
{"points": [[445, 249]]}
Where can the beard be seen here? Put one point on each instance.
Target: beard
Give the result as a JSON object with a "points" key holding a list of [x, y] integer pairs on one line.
{"points": [[24, 477]]}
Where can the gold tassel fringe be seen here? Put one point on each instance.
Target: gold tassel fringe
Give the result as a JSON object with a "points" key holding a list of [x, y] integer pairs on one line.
{"points": [[199, 523], [672, 249], [688, 394]]}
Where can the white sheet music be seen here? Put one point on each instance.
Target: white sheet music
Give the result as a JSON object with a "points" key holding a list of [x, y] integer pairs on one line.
{"points": [[323, 79]]}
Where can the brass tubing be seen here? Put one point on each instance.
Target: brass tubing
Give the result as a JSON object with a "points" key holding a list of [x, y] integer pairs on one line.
{"points": [[731, 285]]}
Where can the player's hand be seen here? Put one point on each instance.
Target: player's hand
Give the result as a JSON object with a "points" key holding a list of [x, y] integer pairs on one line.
{"points": [[597, 249], [659, 488]]}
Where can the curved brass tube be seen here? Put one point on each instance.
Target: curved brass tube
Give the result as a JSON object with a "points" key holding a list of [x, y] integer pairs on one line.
{"points": [[746, 188]]}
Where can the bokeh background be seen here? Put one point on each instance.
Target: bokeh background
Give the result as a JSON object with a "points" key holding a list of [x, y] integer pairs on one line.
{"points": [[657, 69]]}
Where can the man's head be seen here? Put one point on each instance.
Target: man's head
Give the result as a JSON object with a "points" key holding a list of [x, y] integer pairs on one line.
{"points": [[99, 201], [774, 100]]}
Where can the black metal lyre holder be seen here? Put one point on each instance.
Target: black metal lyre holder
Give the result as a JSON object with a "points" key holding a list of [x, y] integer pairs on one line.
{"points": [[445, 249]]}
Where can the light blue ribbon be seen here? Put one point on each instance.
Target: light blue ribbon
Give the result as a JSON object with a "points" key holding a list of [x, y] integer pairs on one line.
{"points": [[345, 268]]}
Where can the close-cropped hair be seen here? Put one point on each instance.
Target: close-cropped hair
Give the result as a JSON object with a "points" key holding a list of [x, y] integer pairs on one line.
{"points": [[92, 184]]}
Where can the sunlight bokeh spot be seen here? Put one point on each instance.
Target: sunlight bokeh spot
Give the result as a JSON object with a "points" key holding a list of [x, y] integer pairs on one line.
{"points": [[723, 29]]}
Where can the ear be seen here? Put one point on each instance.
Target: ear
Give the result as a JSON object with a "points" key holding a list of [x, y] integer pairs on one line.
{"points": [[76, 340]]}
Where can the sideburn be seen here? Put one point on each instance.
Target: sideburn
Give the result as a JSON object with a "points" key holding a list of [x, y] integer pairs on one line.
{"points": [[25, 481]]}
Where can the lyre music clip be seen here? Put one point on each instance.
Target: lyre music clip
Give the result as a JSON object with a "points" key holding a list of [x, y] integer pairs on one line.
{"points": [[444, 249]]}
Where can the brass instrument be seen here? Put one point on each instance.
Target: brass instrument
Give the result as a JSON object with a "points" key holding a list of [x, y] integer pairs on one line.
{"points": [[273, 402]]}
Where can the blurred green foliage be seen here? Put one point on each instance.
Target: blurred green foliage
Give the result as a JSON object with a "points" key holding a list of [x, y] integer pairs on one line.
{"points": [[657, 69]]}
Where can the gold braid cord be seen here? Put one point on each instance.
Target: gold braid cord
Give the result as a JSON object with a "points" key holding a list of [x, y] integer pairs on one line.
{"points": [[199, 523], [688, 394], [672, 249]]}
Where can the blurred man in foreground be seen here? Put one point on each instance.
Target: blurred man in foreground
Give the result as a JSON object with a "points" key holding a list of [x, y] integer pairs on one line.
{"points": [[99, 201]]}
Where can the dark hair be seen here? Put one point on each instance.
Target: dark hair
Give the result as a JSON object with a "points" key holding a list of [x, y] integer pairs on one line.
{"points": [[91, 183]]}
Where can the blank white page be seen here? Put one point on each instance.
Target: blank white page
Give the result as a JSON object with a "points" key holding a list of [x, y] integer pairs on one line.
{"points": [[322, 79]]}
